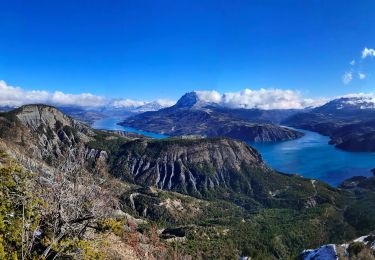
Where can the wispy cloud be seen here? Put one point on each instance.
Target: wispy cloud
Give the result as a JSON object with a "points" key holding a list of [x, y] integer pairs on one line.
{"points": [[262, 99], [361, 75], [347, 77], [127, 103], [355, 65], [368, 53]]}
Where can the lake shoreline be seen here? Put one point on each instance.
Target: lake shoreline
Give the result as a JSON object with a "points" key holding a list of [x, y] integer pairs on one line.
{"points": [[310, 156]]}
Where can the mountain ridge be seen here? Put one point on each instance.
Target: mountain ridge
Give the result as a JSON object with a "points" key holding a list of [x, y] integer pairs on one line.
{"points": [[349, 122], [191, 116]]}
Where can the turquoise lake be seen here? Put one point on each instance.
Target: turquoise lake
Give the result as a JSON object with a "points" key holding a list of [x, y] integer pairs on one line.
{"points": [[111, 123], [310, 156]]}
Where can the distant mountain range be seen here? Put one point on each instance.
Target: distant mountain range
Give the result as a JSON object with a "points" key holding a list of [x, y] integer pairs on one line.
{"points": [[90, 115], [349, 121], [192, 116]]}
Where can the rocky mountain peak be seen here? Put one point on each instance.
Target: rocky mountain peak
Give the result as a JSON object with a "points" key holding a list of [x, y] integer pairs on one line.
{"points": [[152, 106], [35, 115], [39, 116], [188, 100]]}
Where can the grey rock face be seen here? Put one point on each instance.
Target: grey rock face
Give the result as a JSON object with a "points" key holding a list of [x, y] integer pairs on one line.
{"points": [[195, 166], [47, 134]]}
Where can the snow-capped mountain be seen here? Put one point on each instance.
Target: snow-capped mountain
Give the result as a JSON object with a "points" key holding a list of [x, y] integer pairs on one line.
{"points": [[193, 100], [151, 106], [139, 106], [350, 103], [349, 121]]}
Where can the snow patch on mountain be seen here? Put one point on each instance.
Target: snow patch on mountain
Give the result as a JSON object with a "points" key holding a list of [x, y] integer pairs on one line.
{"points": [[343, 251], [358, 101], [141, 106], [326, 252]]}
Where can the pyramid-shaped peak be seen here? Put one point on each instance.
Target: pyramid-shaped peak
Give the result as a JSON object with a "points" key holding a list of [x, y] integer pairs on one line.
{"points": [[188, 100]]}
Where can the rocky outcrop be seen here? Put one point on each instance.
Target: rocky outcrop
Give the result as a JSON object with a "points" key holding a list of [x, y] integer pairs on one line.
{"points": [[44, 133], [194, 166]]}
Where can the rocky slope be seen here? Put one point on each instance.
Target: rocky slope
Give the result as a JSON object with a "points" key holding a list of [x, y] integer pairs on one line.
{"points": [[233, 204], [192, 116], [195, 166], [350, 122], [45, 133], [214, 168]]}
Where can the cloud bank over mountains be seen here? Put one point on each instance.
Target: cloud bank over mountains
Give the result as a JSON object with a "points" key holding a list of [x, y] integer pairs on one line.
{"points": [[17, 96], [262, 99], [130, 103]]}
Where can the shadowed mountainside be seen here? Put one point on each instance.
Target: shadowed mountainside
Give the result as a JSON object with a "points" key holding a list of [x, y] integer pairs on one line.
{"points": [[191, 116], [350, 122]]}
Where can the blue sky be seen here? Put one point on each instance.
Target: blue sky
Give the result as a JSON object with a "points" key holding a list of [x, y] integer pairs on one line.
{"points": [[161, 49]]}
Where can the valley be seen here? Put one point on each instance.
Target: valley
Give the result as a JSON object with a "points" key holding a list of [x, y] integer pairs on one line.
{"points": [[326, 162]]}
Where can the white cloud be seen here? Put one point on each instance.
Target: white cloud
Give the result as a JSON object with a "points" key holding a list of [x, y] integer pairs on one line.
{"points": [[132, 104], [165, 102], [368, 52], [262, 99], [209, 96], [361, 75], [347, 77], [358, 95], [352, 62], [16, 96], [247, 98], [127, 103], [83, 100]]}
